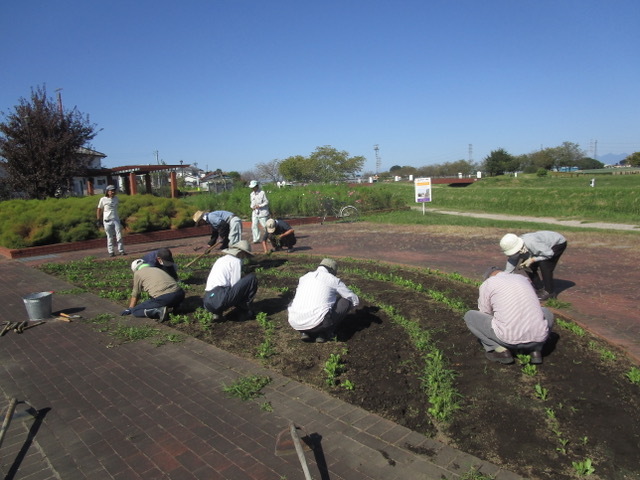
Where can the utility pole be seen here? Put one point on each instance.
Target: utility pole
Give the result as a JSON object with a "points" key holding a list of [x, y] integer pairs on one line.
{"points": [[58, 90], [378, 163]]}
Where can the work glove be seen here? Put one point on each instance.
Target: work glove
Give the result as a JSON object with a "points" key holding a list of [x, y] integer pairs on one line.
{"points": [[126, 312], [528, 262], [277, 239], [98, 223]]}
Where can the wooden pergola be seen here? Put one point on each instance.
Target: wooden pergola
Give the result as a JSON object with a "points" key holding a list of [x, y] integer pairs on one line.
{"points": [[130, 172]]}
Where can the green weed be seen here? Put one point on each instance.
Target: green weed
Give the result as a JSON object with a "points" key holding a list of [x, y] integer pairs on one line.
{"points": [[541, 392], [475, 474], [332, 368], [634, 375], [248, 387], [584, 468], [133, 333]]}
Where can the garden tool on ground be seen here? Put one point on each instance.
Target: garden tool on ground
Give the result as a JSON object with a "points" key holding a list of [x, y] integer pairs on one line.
{"points": [[288, 441], [206, 252]]}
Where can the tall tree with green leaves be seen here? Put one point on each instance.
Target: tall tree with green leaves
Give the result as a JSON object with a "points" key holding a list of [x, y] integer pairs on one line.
{"points": [[325, 164], [633, 160], [498, 162], [41, 143]]}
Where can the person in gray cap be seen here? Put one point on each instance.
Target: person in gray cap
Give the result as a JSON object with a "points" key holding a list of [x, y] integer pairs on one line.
{"points": [[226, 287], [162, 259], [164, 291], [532, 252], [107, 213], [509, 317], [321, 303]]}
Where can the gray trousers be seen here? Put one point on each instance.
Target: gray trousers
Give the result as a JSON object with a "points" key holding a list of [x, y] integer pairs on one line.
{"points": [[480, 325]]}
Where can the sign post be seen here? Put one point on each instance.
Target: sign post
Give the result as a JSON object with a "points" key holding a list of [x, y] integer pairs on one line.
{"points": [[423, 191]]}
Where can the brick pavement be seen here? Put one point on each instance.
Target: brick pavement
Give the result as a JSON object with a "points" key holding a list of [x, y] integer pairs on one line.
{"points": [[91, 409]]}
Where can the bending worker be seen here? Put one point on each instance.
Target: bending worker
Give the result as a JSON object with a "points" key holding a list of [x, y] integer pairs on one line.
{"points": [[532, 252], [224, 224]]}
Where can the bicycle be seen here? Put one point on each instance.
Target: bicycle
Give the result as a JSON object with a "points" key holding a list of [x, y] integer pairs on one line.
{"points": [[345, 213]]}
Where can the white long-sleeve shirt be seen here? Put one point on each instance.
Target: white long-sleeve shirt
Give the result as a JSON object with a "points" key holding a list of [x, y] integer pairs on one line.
{"points": [[316, 293], [225, 272], [259, 204]]}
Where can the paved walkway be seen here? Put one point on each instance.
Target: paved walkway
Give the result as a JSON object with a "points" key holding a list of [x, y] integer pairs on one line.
{"points": [[93, 410], [90, 409]]}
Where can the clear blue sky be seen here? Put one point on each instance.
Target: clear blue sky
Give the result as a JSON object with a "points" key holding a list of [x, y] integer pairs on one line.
{"points": [[232, 83]]}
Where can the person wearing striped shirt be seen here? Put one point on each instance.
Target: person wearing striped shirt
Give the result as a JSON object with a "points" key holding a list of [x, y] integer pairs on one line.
{"points": [[509, 317], [321, 303]]}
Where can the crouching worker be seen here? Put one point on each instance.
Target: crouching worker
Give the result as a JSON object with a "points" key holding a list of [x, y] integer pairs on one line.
{"points": [[164, 291], [509, 317], [281, 235], [321, 303], [226, 287]]}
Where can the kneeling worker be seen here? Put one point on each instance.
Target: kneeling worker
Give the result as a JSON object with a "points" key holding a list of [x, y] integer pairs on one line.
{"points": [[281, 235], [321, 303], [226, 287], [162, 288], [509, 317]]}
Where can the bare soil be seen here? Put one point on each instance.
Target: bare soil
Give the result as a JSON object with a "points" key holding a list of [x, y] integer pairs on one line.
{"points": [[592, 410]]}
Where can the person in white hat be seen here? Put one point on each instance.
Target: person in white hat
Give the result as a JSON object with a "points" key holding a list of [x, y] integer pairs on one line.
{"points": [[107, 212], [281, 235], [225, 225], [321, 303], [532, 252], [164, 291], [509, 318], [259, 213], [226, 287]]}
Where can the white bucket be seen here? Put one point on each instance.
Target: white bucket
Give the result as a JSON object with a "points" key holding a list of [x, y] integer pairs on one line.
{"points": [[38, 305]]}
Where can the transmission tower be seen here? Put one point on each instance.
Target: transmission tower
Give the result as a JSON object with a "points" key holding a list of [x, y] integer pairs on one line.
{"points": [[376, 149], [470, 153]]}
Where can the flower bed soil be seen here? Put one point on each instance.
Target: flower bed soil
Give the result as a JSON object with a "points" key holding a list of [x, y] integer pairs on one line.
{"points": [[596, 408]]}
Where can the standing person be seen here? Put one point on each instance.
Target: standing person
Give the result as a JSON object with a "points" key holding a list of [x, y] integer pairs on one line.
{"points": [[163, 259], [321, 303], [281, 235], [164, 291], [259, 213], [509, 317], [532, 252], [224, 224], [226, 287], [108, 213]]}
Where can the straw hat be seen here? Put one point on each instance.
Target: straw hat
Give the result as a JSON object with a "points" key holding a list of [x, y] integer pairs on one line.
{"points": [[198, 216]]}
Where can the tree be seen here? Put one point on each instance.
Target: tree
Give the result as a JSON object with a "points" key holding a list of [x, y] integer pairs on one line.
{"points": [[566, 155], [269, 170], [498, 162], [41, 145], [633, 160], [325, 164], [587, 163]]}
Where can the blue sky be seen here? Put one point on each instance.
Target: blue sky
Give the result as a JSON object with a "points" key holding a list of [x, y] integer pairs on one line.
{"points": [[232, 83]]}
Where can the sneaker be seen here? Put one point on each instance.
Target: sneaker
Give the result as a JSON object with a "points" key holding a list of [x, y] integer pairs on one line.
{"points": [[163, 312], [305, 337], [112, 254], [536, 358], [123, 253], [501, 357], [216, 317], [321, 339], [543, 295], [289, 250]]}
